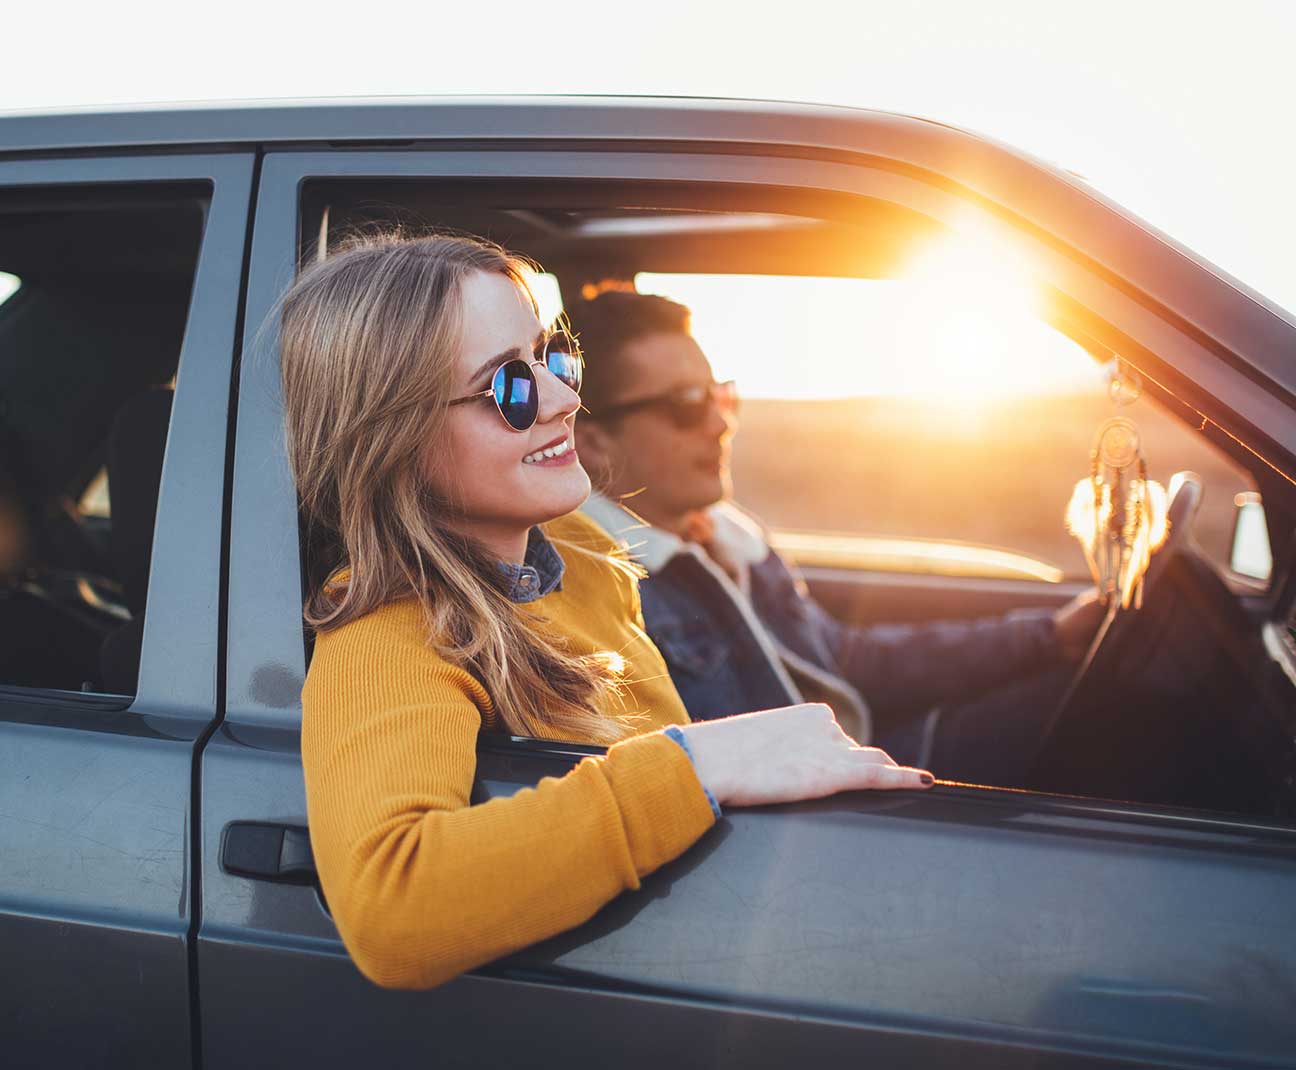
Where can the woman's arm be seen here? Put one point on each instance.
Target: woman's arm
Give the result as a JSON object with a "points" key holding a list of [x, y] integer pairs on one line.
{"points": [[904, 668], [424, 886]]}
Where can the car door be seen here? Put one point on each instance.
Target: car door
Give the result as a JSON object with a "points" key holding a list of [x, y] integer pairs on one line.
{"points": [[95, 785], [959, 926]]}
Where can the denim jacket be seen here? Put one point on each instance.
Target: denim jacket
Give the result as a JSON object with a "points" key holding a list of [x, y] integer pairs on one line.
{"points": [[760, 641]]}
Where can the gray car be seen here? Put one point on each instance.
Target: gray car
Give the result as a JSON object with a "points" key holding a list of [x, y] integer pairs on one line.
{"points": [[158, 902]]}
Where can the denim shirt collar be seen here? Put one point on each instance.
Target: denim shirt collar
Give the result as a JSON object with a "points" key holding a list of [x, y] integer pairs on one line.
{"points": [[540, 573]]}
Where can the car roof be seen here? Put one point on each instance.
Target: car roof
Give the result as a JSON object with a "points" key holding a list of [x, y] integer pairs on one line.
{"points": [[377, 119]]}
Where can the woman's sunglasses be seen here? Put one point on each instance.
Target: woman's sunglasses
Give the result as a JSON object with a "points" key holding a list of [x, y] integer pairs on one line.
{"points": [[686, 407], [513, 386]]}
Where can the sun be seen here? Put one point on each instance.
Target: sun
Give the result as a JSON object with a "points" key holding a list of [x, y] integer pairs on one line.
{"points": [[970, 316]]}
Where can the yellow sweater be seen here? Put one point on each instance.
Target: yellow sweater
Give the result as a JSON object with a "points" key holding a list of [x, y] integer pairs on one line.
{"points": [[423, 886]]}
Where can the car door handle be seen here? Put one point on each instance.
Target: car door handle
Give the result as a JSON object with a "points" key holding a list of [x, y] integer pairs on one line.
{"points": [[266, 851]]}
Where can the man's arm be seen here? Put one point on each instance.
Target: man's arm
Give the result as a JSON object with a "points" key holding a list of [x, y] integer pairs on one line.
{"points": [[906, 668]]}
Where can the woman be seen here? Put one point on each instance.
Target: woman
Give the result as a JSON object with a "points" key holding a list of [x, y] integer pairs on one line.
{"points": [[430, 427]]}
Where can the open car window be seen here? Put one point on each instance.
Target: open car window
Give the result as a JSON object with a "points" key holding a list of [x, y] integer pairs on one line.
{"points": [[912, 430]]}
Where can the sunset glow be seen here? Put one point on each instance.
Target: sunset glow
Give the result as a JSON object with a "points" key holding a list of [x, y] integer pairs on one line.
{"points": [[960, 328], [973, 331]]}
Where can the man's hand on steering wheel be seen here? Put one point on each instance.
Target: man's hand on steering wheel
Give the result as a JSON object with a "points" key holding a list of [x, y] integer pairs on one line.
{"points": [[1076, 624]]}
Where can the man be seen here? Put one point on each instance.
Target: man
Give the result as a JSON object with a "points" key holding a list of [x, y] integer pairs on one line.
{"points": [[735, 623]]}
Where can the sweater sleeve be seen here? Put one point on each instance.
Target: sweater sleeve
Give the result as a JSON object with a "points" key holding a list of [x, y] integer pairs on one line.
{"points": [[424, 886]]}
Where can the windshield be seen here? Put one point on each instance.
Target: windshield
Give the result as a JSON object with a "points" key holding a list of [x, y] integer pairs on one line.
{"points": [[937, 408]]}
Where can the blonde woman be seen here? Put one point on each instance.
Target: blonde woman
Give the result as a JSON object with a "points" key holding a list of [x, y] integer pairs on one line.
{"points": [[429, 421]]}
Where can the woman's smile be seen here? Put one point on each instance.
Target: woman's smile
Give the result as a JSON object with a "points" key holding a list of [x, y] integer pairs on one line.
{"points": [[558, 453]]}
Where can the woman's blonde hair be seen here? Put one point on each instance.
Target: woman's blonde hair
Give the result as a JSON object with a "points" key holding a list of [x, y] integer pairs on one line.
{"points": [[368, 346]]}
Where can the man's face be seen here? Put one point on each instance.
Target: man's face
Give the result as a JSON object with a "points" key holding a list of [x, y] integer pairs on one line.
{"points": [[676, 469]]}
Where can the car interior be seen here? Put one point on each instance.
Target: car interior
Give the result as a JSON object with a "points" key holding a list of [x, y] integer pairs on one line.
{"points": [[89, 347], [1187, 702], [1183, 703]]}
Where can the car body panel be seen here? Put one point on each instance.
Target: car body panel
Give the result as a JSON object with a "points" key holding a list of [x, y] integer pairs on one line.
{"points": [[95, 791], [966, 922]]}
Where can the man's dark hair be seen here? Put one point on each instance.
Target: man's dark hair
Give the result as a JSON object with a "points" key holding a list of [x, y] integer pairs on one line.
{"points": [[607, 324]]}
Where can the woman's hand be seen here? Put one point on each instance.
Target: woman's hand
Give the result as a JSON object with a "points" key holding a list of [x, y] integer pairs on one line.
{"points": [[797, 752]]}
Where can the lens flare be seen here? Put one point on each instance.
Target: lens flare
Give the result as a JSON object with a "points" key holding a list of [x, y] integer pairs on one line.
{"points": [[973, 315]]}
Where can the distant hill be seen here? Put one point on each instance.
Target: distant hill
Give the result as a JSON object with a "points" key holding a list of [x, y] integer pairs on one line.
{"points": [[1000, 475]]}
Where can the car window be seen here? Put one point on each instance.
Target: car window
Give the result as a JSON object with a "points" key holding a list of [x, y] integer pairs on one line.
{"points": [[87, 363], [548, 294], [940, 424], [909, 417]]}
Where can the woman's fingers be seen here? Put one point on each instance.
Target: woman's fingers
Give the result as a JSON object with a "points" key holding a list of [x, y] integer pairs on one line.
{"points": [[874, 776]]}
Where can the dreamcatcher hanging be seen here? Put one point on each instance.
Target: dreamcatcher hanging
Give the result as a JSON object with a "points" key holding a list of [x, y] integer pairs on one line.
{"points": [[1118, 514]]}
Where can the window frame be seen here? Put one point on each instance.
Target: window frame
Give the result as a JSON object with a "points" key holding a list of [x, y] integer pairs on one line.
{"points": [[179, 653]]}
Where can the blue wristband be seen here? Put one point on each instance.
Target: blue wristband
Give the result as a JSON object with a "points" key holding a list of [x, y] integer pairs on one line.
{"points": [[673, 732]]}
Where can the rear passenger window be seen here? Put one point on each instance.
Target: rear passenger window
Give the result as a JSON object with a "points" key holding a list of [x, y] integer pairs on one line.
{"points": [[89, 346]]}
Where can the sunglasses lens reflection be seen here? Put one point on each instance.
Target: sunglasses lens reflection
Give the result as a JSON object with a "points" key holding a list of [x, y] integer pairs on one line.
{"points": [[566, 367], [515, 394], [564, 360]]}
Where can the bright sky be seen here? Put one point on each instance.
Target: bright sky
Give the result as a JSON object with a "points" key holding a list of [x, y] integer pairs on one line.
{"points": [[1180, 112], [960, 327]]}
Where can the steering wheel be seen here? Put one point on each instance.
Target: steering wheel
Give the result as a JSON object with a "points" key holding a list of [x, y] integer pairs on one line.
{"points": [[1113, 638]]}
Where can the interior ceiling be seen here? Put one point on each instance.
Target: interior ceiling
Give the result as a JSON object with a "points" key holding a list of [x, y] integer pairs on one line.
{"points": [[593, 234]]}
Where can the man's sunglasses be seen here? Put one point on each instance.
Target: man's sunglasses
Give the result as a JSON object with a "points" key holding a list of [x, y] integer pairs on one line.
{"points": [[513, 386], [687, 407]]}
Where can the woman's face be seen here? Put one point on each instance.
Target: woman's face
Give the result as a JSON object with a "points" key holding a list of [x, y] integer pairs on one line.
{"points": [[494, 476]]}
